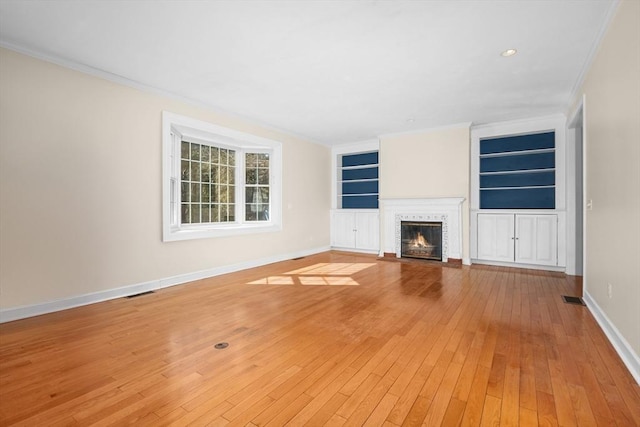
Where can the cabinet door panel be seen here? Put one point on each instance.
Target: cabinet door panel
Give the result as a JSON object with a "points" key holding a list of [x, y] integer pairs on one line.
{"points": [[495, 237], [343, 225], [547, 240], [368, 230], [526, 239], [537, 239]]}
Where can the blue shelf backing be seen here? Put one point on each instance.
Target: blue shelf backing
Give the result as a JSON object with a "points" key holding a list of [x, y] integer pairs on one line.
{"points": [[360, 202], [360, 181], [518, 198], [526, 179], [518, 172], [507, 144]]}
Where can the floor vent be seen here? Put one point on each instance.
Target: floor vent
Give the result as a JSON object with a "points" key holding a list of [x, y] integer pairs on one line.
{"points": [[140, 294], [572, 300]]}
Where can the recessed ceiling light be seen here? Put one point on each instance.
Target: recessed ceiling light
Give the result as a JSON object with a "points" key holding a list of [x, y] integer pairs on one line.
{"points": [[411, 120], [509, 52]]}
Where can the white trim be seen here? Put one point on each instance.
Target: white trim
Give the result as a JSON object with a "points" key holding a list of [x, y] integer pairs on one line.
{"points": [[573, 147], [518, 265], [189, 128], [617, 340], [16, 313], [450, 207], [556, 123], [609, 14], [350, 148]]}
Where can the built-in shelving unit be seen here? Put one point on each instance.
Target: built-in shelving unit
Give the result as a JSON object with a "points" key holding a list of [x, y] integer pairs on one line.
{"points": [[518, 172]]}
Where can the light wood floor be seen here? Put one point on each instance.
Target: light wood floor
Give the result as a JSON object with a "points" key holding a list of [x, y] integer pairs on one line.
{"points": [[331, 339]]}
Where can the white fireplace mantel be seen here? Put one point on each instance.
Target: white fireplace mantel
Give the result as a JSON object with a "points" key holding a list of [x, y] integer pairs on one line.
{"points": [[445, 209]]}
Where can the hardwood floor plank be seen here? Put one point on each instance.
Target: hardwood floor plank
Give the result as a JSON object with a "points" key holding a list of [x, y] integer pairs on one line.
{"points": [[406, 343], [491, 412]]}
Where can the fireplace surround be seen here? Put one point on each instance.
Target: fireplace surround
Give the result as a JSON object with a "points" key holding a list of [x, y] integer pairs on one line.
{"points": [[447, 210]]}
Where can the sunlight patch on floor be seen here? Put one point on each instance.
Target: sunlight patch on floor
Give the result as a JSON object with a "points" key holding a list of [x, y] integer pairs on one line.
{"points": [[338, 268], [321, 274], [274, 280]]}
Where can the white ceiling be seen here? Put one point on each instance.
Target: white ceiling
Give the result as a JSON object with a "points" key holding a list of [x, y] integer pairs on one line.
{"points": [[331, 71]]}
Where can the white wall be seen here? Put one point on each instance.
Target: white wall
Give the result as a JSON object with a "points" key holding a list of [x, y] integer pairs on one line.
{"points": [[432, 163], [80, 186], [612, 151]]}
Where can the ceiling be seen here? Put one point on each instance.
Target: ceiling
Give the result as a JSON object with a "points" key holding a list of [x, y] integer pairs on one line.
{"points": [[330, 71]]}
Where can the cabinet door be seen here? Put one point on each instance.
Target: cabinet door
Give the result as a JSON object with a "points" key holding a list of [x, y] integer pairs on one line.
{"points": [[495, 237], [368, 230], [537, 239], [343, 229]]}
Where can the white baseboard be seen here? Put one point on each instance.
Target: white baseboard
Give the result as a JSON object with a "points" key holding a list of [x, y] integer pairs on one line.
{"points": [[620, 344], [10, 314], [359, 251], [516, 265]]}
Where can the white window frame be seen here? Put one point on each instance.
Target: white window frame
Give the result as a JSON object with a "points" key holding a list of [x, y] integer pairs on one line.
{"points": [[175, 128]]}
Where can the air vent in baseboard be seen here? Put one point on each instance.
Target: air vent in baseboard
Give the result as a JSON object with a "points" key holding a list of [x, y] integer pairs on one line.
{"points": [[140, 294]]}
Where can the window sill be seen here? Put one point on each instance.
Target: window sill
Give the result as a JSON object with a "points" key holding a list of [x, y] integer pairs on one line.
{"points": [[204, 232]]}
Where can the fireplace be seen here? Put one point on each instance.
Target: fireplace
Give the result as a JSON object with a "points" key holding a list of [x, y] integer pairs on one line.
{"points": [[447, 211], [421, 239]]}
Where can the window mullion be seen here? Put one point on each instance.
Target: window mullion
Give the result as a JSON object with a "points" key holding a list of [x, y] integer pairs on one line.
{"points": [[240, 188]]}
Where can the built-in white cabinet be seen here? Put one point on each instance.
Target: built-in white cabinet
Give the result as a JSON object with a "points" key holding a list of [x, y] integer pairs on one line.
{"points": [[518, 238], [354, 229]]}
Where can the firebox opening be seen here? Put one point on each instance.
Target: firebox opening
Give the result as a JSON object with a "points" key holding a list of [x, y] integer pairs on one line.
{"points": [[421, 240]]}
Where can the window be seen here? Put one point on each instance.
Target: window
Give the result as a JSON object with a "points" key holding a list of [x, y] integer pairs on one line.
{"points": [[518, 172], [218, 181], [359, 181]]}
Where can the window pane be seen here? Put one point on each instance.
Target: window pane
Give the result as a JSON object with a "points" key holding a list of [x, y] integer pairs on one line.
{"points": [[232, 213], [205, 170], [195, 151], [263, 160], [214, 173], [185, 192], [195, 213], [204, 213], [223, 213], [184, 150], [214, 193], [264, 195], [215, 155], [232, 194], [222, 193], [185, 214], [232, 175], [263, 212], [251, 160], [250, 212], [204, 153], [204, 198], [185, 170], [252, 176], [195, 171], [223, 156], [232, 158], [222, 179], [195, 192], [263, 176], [215, 213], [248, 194]]}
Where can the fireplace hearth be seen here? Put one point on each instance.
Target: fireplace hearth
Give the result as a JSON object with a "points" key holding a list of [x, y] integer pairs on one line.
{"points": [[421, 239]]}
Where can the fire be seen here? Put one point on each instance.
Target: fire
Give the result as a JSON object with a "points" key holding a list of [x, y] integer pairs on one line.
{"points": [[419, 242]]}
